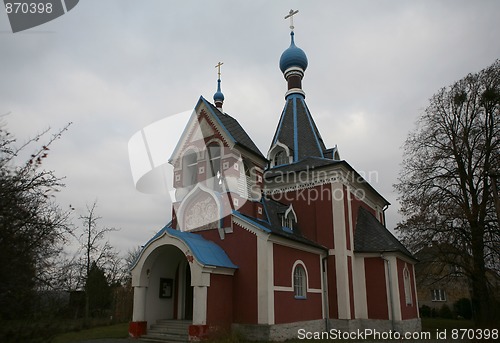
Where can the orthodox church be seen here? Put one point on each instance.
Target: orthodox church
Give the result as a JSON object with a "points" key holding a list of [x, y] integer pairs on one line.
{"points": [[266, 245]]}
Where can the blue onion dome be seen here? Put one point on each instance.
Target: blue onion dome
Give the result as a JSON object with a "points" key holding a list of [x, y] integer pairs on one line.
{"points": [[218, 96], [293, 57]]}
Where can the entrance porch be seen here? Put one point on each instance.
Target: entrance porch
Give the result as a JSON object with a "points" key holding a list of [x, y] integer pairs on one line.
{"points": [[171, 280]]}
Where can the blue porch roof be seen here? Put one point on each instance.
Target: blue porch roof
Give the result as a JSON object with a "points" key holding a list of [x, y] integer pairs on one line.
{"points": [[206, 252]]}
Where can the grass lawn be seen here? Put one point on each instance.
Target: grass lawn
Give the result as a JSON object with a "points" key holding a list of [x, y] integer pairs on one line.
{"points": [[109, 331], [432, 324]]}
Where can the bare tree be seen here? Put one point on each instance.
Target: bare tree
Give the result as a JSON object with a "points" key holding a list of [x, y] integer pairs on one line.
{"points": [[446, 191], [96, 248], [33, 227]]}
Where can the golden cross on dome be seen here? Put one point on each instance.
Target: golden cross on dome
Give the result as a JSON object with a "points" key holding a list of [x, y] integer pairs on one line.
{"points": [[290, 15], [218, 68]]}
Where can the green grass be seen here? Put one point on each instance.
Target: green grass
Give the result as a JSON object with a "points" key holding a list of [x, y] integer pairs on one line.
{"points": [[109, 331], [432, 324]]}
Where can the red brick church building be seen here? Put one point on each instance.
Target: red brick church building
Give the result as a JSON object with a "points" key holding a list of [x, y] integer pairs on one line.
{"points": [[268, 244]]}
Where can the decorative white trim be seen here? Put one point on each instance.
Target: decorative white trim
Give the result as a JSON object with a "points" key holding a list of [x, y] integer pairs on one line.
{"points": [[191, 126], [199, 187], [201, 169], [297, 245], [225, 165], [359, 283], [265, 295], [272, 152], [283, 289], [250, 227], [303, 265], [393, 264], [407, 286], [314, 290], [236, 166], [339, 225], [200, 304], [290, 289], [313, 178], [270, 281], [349, 219], [295, 91], [300, 186], [290, 210]]}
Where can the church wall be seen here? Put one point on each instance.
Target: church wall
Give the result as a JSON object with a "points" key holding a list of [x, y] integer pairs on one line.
{"points": [[284, 259], [241, 248], [407, 311], [314, 212], [287, 308], [376, 291], [220, 302]]}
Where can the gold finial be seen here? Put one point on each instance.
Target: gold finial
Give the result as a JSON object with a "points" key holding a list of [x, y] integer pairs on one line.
{"points": [[290, 15], [218, 68]]}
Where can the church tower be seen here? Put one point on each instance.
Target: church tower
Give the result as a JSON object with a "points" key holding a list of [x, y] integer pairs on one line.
{"points": [[296, 136]]}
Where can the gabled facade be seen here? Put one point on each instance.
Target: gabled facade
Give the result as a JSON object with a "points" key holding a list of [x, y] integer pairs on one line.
{"points": [[269, 245]]}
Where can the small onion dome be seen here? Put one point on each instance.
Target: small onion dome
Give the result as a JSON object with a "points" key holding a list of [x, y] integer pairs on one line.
{"points": [[218, 96], [293, 57]]}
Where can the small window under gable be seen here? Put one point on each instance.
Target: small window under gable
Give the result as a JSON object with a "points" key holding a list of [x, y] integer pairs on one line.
{"points": [[279, 155], [299, 281], [289, 218], [280, 158]]}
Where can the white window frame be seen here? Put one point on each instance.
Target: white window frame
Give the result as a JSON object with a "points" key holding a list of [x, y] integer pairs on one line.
{"points": [[289, 218], [407, 285], [275, 150], [299, 280], [438, 294]]}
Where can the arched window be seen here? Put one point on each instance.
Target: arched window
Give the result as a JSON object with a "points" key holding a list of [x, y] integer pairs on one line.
{"points": [[214, 166], [407, 285], [280, 158], [299, 282], [289, 218], [189, 168]]}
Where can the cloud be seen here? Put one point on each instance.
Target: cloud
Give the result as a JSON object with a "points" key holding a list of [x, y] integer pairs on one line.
{"points": [[113, 67]]}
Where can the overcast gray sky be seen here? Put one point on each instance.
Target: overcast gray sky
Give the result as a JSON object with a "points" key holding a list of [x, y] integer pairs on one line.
{"points": [[113, 67]]}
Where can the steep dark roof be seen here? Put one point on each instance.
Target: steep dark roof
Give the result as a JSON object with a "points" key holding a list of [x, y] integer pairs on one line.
{"points": [[297, 130], [372, 236], [272, 222], [234, 129], [310, 164]]}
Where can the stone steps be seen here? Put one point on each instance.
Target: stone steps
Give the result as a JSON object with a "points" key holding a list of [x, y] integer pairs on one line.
{"points": [[168, 331]]}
